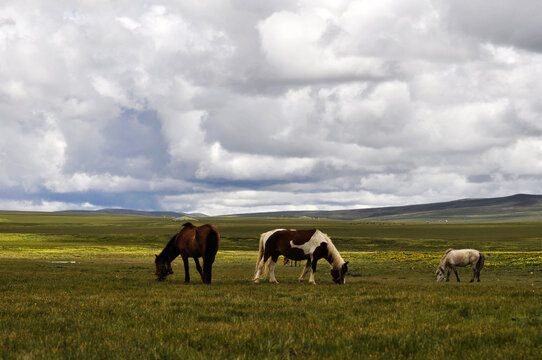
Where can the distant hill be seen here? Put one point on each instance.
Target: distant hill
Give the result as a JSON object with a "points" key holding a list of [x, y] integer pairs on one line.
{"points": [[520, 207], [139, 212]]}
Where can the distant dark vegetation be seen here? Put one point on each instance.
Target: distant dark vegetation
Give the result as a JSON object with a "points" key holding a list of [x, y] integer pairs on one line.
{"points": [[515, 208]]}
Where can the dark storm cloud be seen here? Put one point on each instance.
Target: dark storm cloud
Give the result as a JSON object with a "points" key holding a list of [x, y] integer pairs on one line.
{"points": [[503, 22], [130, 144]]}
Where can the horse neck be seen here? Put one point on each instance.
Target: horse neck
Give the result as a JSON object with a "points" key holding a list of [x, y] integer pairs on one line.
{"points": [[444, 261], [171, 251], [334, 258]]}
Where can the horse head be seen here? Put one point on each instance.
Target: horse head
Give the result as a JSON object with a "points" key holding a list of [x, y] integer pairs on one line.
{"points": [[440, 273], [338, 273], [163, 268]]}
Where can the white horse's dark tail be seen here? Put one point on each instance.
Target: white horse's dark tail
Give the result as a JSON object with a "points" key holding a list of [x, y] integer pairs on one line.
{"points": [[480, 263]]}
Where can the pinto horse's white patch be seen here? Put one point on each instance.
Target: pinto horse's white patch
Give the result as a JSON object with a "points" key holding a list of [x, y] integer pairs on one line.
{"points": [[308, 248], [316, 240]]}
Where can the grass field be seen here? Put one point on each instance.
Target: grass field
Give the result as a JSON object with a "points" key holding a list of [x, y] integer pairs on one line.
{"points": [[107, 305]]}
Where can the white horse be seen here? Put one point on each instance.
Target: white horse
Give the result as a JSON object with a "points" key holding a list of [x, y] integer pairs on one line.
{"points": [[453, 258]]}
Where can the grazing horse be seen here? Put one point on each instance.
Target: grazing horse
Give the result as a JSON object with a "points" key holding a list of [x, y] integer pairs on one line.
{"points": [[310, 245], [191, 241], [453, 258]]}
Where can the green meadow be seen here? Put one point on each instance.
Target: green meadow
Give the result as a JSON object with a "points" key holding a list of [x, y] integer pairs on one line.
{"points": [[81, 286]]}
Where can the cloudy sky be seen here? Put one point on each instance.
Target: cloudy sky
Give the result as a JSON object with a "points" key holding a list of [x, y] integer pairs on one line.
{"points": [[242, 106]]}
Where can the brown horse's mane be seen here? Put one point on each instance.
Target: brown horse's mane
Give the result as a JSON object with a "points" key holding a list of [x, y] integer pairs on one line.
{"points": [[170, 251]]}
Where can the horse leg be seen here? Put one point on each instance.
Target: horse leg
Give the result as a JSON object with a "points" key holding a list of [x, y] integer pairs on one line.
{"points": [[198, 267], [313, 270], [272, 264], [456, 275], [473, 273], [305, 271], [448, 274], [186, 273]]}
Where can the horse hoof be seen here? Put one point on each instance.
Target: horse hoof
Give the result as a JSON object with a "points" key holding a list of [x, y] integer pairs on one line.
{"points": [[274, 282], [256, 281], [301, 280]]}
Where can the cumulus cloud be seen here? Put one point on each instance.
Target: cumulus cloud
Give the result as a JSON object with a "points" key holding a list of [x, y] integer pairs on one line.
{"points": [[224, 107]]}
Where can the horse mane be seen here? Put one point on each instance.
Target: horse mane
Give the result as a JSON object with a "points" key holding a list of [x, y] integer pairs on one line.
{"points": [[337, 260], [169, 249], [445, 254]]}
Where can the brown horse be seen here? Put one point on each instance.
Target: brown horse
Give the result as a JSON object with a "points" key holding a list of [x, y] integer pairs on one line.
{"points": [[310, 245], [191, 241]]}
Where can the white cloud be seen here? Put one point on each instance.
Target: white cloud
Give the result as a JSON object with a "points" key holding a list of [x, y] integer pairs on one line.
{"points": [[226, 165], [275, 105], [128, 23], [30, 205], [295, 45]]}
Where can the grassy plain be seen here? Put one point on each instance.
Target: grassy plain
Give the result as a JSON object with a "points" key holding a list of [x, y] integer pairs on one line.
{"points": [[106, 305]]}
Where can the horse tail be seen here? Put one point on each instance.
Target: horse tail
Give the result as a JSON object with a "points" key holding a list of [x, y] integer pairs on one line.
{"points": [[261, 255], [213, 239], [480, 263], [260, 251], [211, 248]]}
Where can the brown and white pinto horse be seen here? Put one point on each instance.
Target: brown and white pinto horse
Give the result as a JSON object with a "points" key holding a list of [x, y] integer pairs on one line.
{"points": [[310, 245], [464, 257], [191, 241]]}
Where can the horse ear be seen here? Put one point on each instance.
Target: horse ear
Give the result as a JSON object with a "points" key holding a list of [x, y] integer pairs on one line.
{"points": [[155, 255], [346, 263]]}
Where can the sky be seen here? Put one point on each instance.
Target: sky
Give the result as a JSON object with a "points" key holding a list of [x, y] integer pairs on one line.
{"points": [[225, 107]]}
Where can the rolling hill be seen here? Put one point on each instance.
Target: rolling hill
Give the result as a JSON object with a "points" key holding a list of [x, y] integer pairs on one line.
{"points": [[520, 207], [137, 212], [515, 208]]}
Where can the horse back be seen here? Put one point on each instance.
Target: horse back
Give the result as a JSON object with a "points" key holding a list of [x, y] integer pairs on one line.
{"points": [[463, 257], [196, 241], [281, 241]]}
